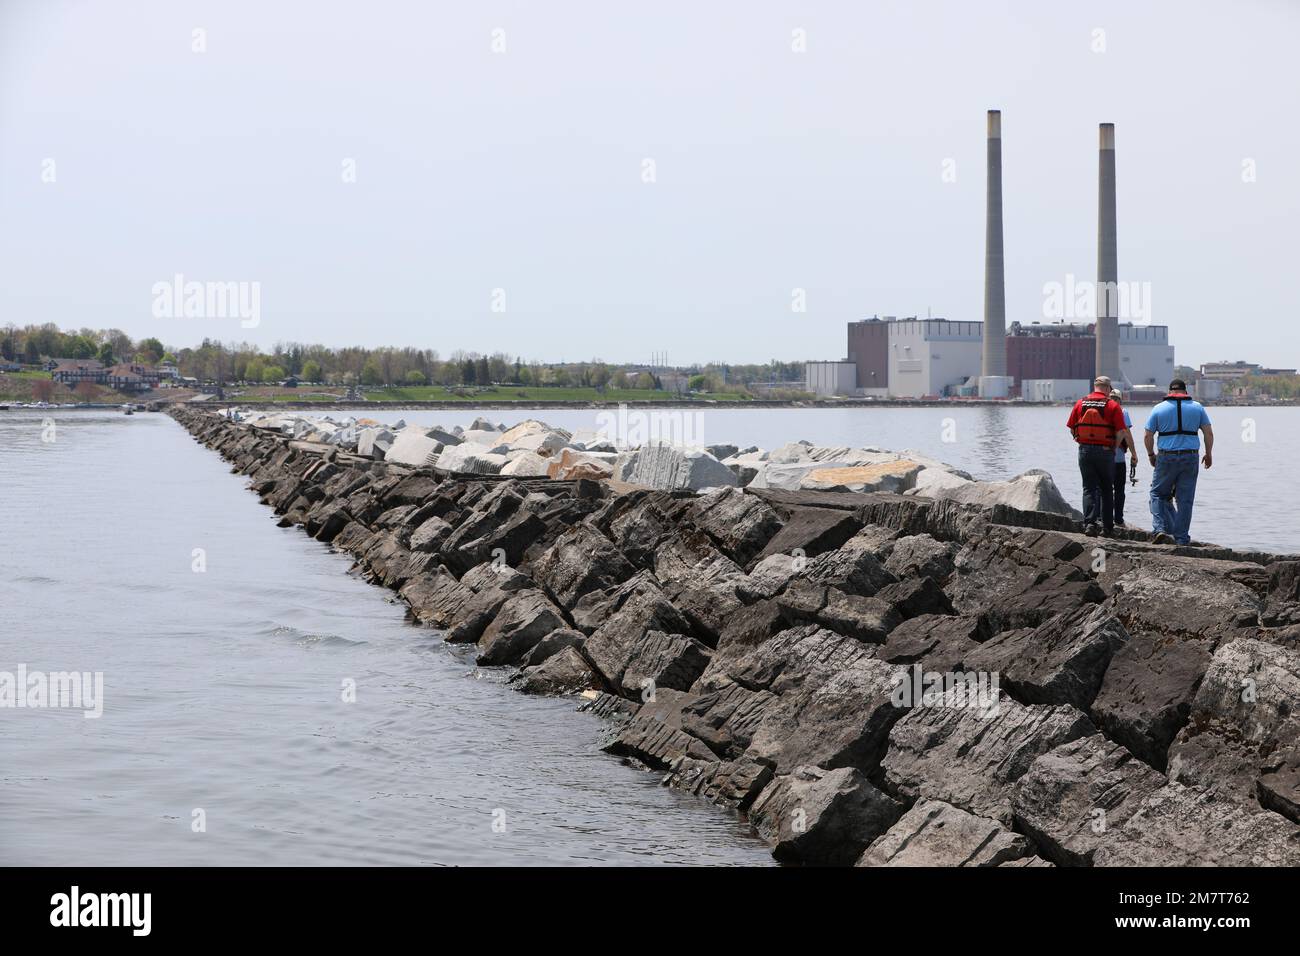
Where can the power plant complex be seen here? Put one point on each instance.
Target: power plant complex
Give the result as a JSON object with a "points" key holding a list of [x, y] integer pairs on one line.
{"points": [[891, 357]]}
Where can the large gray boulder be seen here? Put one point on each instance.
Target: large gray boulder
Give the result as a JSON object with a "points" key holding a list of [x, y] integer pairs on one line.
{"points": [[664, 466], [1032, 491], [1186, 596], [1077, 797], [470, 458], [1180, 826], [526, 618], [374, 442], [934, 833], [1060, 662], [412, 446], [741, 524], [1146, 694], [817, 816], [580, 561], [971, 757], [1244, 722], [564, 673]]}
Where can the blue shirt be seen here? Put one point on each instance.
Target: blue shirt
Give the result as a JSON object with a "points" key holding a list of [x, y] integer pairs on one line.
{"points": [[1121, 451], [1164, 418]]}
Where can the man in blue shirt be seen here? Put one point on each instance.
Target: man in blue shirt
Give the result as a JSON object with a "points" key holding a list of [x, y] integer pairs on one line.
{"points": [[1177, 420]]}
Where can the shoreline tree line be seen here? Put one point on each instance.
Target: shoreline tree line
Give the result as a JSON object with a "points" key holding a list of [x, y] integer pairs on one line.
{"points": [[230, 362]]}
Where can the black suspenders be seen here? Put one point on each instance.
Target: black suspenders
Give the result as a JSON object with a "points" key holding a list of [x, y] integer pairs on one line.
{"points": [[1178, 404]]}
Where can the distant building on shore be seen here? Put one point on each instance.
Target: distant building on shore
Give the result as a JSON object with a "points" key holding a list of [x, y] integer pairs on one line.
{"points": [[126, 377], [889, 357], [1227, 371]]}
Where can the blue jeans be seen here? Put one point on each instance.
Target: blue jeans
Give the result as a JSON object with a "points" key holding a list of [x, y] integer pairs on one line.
{"points": [[1174, 480]]}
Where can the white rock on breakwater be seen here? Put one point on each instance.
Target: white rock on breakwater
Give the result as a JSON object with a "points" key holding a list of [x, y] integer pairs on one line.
{"points": [[533, 448]]}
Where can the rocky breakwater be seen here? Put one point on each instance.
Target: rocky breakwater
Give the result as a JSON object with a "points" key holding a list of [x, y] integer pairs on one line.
{"points": [[877, 677]]}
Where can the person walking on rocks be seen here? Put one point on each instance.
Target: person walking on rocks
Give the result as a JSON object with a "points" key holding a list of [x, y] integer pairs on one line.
{"points": [[1177, 420], [1121, 479], [1097, 424]]}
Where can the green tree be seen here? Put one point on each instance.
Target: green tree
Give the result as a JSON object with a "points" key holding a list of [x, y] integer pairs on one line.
{"points": [[415, 377], [106, 354], [82, 348], [483, 372], [273, 373], [254, 371], [154, 349], [371, 373], [311, 370]]}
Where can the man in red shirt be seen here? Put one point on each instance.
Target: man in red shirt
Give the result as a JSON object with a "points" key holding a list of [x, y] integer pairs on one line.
{"points": [[1097, 424]]}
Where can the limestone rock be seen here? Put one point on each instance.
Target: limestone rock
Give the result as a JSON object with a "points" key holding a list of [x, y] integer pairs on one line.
{"points": [[1146, 694], [470, 458], [934, 833], [1177, 826], [526, 618], [552, 644], [1060, 662], [564, 673], [818, 816], [411, 446], [663, 660], [810, 531], [893, 476], [580, 561], [971, 758], [740, 524], [665, 466], [1245, 713], [1076, 797]]}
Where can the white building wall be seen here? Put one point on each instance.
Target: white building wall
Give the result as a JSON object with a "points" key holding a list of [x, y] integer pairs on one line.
{"points": [[1145, 355], [830, 378], [1054, 389], [926, 356]]}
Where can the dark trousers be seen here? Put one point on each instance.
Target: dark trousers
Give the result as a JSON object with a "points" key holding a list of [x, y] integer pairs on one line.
{"points": [[1121, 479], [1097, 469]]}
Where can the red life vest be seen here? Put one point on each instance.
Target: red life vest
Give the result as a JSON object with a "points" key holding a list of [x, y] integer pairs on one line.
{"points": [[1092, 427]]}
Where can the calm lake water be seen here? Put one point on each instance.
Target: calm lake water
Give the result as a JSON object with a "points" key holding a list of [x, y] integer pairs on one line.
{"points": [[222, 691], [1241, 502]]}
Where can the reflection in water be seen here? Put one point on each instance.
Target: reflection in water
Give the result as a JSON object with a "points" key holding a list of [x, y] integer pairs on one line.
{"points": [[994, 439]]}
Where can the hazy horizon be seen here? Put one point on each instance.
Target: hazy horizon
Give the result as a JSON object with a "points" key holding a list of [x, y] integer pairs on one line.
{"points": [[388, 173]]}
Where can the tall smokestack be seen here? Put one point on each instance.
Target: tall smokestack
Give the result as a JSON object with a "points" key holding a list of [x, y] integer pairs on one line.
{"points": [[1107, 261], [995, 307]]}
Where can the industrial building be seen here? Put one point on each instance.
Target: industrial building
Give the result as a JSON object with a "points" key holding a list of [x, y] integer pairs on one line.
{"points": [[889, 357], [916, 358]]}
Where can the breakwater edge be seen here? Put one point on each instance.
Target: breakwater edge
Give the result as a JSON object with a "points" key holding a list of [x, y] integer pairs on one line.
{"points": [[755, 645]]}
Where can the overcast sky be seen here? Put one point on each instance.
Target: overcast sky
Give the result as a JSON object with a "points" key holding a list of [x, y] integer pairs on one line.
{"points": [[127, 157]]}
